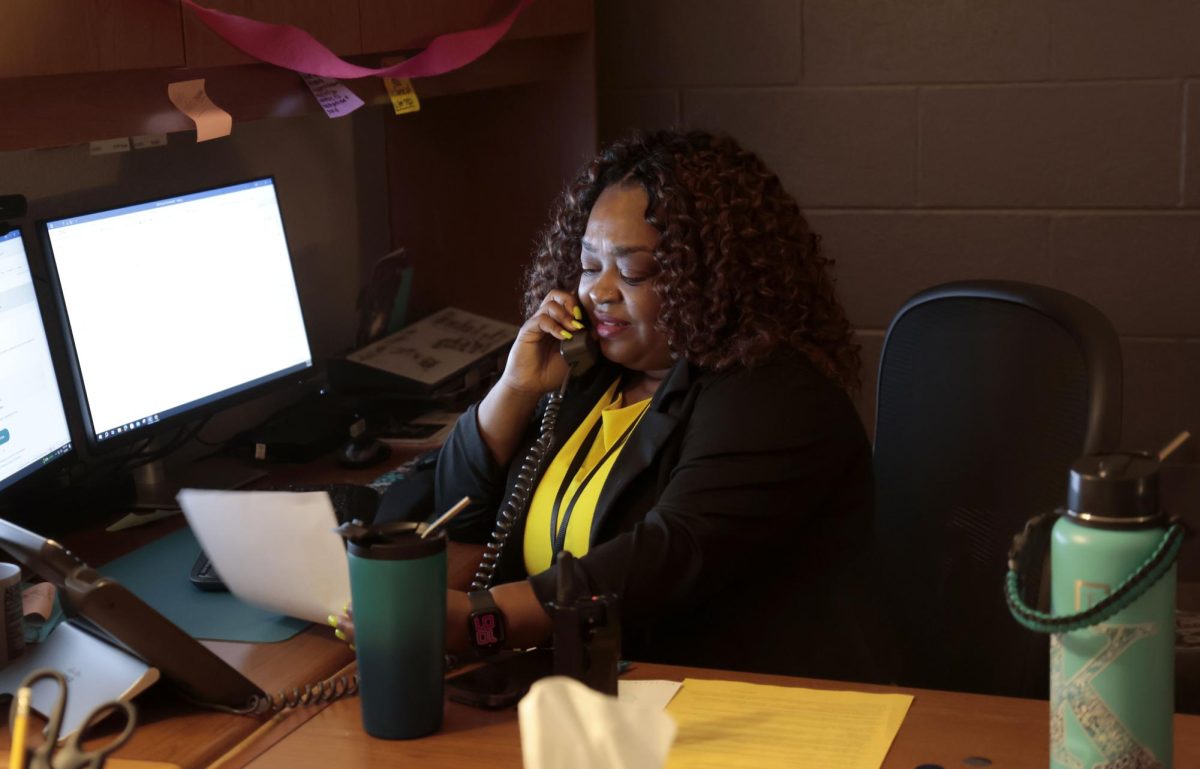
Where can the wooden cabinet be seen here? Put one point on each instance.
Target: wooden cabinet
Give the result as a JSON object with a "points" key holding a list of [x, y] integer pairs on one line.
{"points": [[377, 26], [388, 25], [55, 37], [335, 24], [59, 37], [58, 59]]}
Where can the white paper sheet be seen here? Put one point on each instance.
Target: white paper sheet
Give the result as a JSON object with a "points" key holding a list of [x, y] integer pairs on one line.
{"points": [[274, 549], [656, 694]]}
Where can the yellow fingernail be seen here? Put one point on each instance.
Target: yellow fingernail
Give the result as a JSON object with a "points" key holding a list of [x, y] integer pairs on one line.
{"points": [[346, 608], [565, 334], [340, 635], [333, 622], [576, 312], [576, 324], [353, 648]]}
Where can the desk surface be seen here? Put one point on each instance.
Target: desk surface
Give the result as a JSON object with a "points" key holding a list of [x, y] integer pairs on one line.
{"points": [[941, 728], [169, 729]]}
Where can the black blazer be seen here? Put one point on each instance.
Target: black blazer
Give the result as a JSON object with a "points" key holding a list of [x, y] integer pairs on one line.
{"points": [[726, 526]]}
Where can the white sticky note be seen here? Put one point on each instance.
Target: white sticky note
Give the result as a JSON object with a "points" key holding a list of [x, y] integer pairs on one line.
{"points": [[274, 549], [109, 146], [334, 97], [145, 141]]}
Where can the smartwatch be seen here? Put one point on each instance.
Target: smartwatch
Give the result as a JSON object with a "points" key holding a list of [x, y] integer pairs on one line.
{"points": [[485, 623]]}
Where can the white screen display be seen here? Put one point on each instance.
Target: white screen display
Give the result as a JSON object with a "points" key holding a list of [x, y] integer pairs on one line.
{"points": [[174, 302], [33, 426]]}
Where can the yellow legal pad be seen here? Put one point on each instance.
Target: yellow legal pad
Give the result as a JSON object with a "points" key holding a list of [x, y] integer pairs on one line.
{"points": [[724, 724]]}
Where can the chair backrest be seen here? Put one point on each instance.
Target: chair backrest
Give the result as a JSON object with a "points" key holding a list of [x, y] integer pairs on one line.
{"points": [[988, 390]]}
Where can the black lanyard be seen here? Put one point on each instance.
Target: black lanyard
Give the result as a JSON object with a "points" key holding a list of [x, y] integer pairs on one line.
{"points": [[557, 540]]}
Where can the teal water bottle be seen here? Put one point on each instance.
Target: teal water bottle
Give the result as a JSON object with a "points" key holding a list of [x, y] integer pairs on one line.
{"points": [[398, 589], [1112, 692], [1112, 618]]}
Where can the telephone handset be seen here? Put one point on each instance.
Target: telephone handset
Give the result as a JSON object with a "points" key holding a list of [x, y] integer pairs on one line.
{"points": [[581, 354]]}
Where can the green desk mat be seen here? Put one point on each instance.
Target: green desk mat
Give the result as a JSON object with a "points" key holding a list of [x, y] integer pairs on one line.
{"points": [[158, 574]]}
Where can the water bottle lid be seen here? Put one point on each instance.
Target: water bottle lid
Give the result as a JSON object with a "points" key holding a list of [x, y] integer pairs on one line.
{"points": [[1119, 489], [395, 541]]}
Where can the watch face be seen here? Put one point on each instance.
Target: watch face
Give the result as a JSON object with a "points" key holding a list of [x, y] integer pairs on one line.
{"points": [[487, 629]]}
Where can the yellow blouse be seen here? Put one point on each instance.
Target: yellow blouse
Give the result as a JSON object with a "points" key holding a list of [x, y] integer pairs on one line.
{"points": [[607, 427]]}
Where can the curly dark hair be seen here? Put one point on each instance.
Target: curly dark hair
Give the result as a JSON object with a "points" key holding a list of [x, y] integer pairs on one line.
{"points": [[741, 274]]}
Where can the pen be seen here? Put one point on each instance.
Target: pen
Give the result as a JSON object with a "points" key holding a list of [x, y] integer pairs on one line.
{"points": [[1175, 443], [446, 516], [16, 756]]}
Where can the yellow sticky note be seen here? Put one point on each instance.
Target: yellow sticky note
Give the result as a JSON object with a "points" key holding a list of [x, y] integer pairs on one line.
{"points": [[736, 725], [404, 96], [211, 121]]}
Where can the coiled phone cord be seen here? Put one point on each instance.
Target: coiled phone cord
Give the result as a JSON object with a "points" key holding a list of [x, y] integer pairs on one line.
{"points": [[344, 683], [310, 694], [518, 500]]}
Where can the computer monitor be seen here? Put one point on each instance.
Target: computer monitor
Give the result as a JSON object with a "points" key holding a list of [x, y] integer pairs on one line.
{"points": [[174, 308], [33, 425]]}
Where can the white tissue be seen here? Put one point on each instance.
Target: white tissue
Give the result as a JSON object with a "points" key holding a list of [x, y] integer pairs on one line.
{"points": [[566, 724]]}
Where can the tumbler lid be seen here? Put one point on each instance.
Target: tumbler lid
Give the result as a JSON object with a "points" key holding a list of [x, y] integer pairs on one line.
{"points": [[1118, 489], [395, 541]]}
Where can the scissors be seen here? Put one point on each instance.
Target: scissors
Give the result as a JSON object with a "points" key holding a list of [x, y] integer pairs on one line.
{"points": [[71, 755]]}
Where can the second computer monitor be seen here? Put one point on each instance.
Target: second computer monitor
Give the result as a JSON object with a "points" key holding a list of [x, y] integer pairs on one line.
{"points": [[175, 306], [33, 425]]}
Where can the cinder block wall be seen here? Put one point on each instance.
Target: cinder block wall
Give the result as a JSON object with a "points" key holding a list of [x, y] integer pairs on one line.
{"points": [[1052, 141]]}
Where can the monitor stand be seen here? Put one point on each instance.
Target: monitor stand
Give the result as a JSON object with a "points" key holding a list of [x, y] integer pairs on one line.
{"points": [[155, 487]]}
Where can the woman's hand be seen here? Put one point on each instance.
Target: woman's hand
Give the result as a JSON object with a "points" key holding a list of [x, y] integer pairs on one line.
{"points": [[534, 365], [534, 368], [343, 625]]}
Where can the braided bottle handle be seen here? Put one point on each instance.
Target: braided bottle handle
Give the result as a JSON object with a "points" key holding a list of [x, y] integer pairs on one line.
{"points": [[1131, 588]]}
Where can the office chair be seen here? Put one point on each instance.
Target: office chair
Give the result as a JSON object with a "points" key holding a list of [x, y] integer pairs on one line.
{"points": [[988, 390]]}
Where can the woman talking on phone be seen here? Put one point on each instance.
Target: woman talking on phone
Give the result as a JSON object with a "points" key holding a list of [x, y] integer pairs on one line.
{"points": [[710, 469]]}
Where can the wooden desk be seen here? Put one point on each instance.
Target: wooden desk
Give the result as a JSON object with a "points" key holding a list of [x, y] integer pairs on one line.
{"points": [[171, 730], [941, 728]]}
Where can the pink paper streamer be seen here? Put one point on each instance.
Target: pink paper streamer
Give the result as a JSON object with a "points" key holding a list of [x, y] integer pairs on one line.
{"points": [[293, 48]]}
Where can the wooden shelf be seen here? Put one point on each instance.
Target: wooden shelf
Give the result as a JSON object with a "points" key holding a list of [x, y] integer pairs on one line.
{"points": [[108, 76], [53, 37], [378, 26], [335, 24], [60, 110]]}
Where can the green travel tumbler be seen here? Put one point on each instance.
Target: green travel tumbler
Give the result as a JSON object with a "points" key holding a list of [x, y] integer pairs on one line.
{"points": [[1112, 677], [398, 590]]}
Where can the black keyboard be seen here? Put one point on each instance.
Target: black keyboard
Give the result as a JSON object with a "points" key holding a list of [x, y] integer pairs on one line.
{"points": [[351, 501]]}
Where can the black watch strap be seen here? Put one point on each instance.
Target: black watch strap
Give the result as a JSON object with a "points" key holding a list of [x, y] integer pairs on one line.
{"points": [[485, 623]]}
